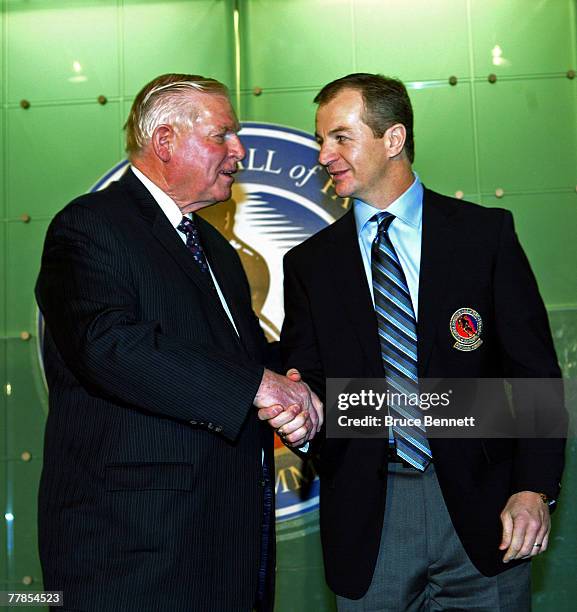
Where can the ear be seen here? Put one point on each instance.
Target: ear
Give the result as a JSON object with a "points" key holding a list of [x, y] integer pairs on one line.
{"points": [[162, 142], [395, 138]]}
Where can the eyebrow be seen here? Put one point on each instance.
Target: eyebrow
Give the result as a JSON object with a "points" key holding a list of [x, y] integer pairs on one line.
{"points": [[340, 128], [235, 127]]}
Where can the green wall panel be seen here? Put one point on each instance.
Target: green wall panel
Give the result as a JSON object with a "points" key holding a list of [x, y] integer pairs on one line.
{"points": [[444, 138], [554, 574], [546, 226], [24, 243], [5, 527], [527, 134], [520, 37], [411, 41], [191, 36], [56, 153], [61, 50], [297, 43], [292, 108], [300, 568], [25, 409], [23, 478], [3, 532]]}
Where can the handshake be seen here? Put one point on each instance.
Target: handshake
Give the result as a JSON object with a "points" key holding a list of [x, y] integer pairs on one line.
{"points": [[289, 406]]}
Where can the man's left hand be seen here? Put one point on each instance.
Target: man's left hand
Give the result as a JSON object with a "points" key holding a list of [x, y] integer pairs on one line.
{"points": [[526, 525]]}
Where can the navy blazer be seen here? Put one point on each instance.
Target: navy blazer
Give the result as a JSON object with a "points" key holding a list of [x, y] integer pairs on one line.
{"points": [[470, 257]]}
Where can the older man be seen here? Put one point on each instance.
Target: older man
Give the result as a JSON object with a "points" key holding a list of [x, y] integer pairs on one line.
{"points": [[156, 490], [411, 523]]}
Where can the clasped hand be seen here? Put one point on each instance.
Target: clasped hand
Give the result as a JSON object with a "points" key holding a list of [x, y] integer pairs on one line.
{"points": [[289, 406]]}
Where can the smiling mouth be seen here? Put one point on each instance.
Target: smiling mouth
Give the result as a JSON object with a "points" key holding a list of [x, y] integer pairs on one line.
{"points": [[335, 175]]}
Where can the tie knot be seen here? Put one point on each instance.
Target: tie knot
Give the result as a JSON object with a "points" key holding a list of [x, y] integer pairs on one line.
{"points": [[186, 226], [384, 219]]}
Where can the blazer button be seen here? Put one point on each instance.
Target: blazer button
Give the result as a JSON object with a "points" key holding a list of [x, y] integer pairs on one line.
{"points": [[262, 482]]}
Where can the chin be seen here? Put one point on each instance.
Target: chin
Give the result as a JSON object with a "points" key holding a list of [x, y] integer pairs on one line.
{"points": [[225, 196], [343, 192]]}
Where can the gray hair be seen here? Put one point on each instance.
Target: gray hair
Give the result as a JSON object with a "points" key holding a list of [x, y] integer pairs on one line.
{"points": [[166, 100]]}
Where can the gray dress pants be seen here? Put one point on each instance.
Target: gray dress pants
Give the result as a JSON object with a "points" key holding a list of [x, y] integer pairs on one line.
{"points": [[422, 565]]}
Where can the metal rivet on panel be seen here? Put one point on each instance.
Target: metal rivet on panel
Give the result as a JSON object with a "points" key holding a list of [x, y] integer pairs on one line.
{"points": [[257, 91], [492, 78], [26, 456], [459, 195], [25, 218], [102, 100], [571, 74], [27, 580], [25, 104], [452, 80], [499, 192], [24, 335]]}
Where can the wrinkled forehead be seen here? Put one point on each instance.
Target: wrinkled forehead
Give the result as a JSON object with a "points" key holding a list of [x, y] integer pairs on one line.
{"points": [[216, 110]]}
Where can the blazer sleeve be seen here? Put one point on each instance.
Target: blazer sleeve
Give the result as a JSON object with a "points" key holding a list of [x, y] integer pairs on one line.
{"points": [[299, 346], [88, 297], [530, 364]]}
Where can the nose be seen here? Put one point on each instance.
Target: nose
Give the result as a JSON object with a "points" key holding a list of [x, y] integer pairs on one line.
{"points": [[326, 155], [236, 148]]}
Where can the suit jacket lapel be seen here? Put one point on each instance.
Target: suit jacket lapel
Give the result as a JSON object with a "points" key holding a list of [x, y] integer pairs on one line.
{"points": [[227, 284], [353, 293], [163, 231], [436, 261]]}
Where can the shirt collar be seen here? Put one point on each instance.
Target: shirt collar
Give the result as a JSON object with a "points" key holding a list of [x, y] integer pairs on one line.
{"points": [[167, 204], [408, 207]]}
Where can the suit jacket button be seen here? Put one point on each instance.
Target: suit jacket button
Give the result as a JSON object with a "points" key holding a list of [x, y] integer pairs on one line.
{"points": [[262, 482]]}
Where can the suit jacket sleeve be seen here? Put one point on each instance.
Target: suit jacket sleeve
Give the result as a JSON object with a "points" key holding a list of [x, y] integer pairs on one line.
{"points": [[527, 352], [299, 346], [88, 297]]}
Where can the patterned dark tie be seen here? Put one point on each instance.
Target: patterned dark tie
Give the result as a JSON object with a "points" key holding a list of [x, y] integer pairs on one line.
{"points": [[188, 228], [398, 339]]}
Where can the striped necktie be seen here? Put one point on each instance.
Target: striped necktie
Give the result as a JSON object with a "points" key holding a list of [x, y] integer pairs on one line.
{"points": [[398, 340]]}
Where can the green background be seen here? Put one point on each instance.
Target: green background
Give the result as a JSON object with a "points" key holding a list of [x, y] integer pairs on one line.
{"points": [[518, 135]]}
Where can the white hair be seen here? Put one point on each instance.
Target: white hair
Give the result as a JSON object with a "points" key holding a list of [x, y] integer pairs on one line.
{"points": [[166, 100]]}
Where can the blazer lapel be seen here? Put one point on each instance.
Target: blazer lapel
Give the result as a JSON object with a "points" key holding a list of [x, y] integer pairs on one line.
{"points": [[227, 284], [436, 260], [163, 231], [353, 293]]}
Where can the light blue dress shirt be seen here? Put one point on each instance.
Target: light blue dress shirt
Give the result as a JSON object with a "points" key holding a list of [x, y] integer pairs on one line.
{"points": [[405, 233]]}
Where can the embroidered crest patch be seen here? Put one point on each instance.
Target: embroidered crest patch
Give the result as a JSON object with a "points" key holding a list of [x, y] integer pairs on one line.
{"points": [[466, 326]]}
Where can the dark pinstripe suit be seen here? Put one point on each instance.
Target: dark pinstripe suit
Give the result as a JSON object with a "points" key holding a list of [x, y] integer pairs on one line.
{"points": [[151, 492]]}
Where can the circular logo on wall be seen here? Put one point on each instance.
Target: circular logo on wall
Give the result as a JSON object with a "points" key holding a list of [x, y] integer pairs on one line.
{"points": [[280, 197]]}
